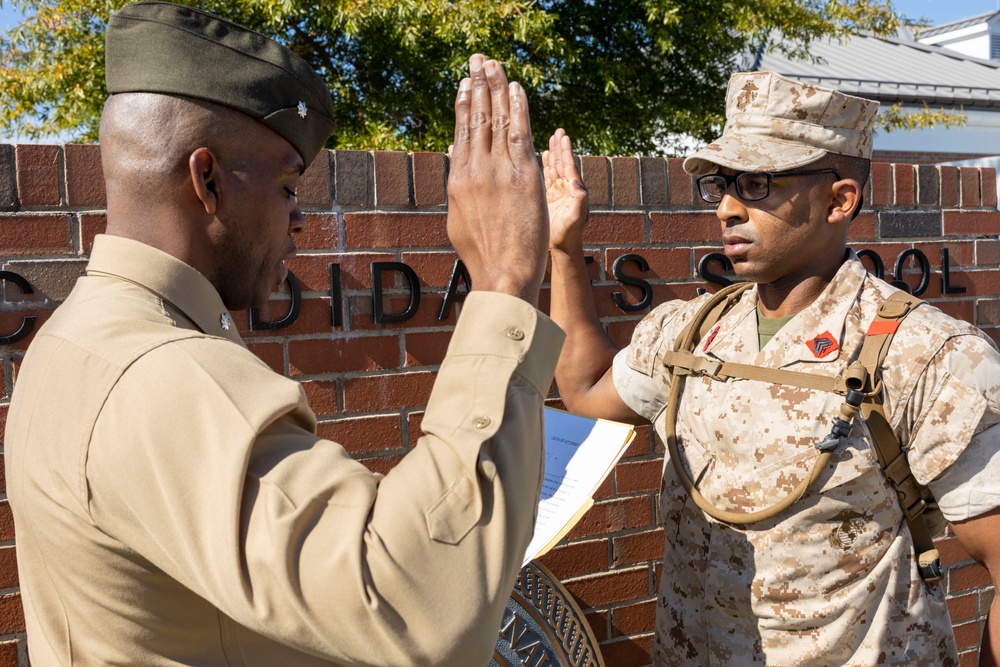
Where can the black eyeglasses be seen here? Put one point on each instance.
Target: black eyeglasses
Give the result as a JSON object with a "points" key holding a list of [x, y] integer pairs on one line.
{"points": [[750, 185]]}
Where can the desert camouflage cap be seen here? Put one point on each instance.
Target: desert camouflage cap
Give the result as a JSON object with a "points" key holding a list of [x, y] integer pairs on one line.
{"points": [[160, 47], [774, 123]]}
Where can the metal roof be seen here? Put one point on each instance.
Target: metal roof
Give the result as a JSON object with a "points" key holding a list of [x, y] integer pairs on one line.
{"points": [[893, 70], [955, 25]]}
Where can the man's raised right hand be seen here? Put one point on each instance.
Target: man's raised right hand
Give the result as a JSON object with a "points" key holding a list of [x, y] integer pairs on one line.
{"points": [[567, 196], [497, 215]]}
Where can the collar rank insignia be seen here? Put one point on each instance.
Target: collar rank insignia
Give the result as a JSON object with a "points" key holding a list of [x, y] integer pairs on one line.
{"points": [[303, 111], [822, 345], [710, 338], [224, 321]]}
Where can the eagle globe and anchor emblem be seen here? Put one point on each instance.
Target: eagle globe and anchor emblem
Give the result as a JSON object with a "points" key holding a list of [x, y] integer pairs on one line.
{"points": [[543, 626]]}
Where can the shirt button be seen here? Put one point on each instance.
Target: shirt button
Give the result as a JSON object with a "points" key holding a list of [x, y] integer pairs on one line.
{"points": [[515, 334], [481, 422]]}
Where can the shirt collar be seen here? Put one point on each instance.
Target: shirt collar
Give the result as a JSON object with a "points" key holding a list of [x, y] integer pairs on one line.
{"points": [[816, 334], [166, 276]]}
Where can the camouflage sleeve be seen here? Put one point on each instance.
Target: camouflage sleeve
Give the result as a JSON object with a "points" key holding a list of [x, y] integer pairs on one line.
{"points": [[971, 485], [954, 398], [640, 380]]}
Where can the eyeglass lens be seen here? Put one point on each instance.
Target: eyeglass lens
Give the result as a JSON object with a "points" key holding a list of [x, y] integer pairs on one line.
{"points": [[749, 186]]}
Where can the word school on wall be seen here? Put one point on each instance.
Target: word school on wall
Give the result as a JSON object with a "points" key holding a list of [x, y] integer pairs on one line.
{"points": [[459, 284]]}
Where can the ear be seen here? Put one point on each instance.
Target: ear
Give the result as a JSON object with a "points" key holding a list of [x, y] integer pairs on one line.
{"points": [[846, 200], [204, 170]]}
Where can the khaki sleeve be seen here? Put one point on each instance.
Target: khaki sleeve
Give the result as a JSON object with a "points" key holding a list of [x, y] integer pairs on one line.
{"points": [[205, 463]]}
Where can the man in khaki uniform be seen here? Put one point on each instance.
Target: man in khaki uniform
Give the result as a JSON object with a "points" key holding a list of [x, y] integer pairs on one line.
{"points": [[831, 579], [172, 501]]}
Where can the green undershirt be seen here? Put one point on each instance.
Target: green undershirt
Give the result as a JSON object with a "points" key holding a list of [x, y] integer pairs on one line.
{"points": [[768, 326]]}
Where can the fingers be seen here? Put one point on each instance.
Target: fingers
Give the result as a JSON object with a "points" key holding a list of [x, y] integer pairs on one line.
{"points": [[550, 162], [459, 150], [567, 165], [500, 97], [491, 115], [480, 111], [549, 172], [561, 147], [519, 133], [558, 163], [554, 140], [497, 217]]}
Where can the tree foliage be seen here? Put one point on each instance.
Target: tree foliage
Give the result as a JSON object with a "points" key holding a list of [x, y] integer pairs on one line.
{"points": [[622, 76], [896, 117]]}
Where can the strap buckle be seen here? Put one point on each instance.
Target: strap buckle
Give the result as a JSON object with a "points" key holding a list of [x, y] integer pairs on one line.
{"points": [[706, 366], [929, 566], [897, 305], [914, 510], [685, 363]]}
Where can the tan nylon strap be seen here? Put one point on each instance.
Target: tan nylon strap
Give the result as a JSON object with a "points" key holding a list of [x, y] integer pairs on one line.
{"points": [[892, 459], [723, 370], [781, 376], [726, 516], [875, 347], [712, 311]]}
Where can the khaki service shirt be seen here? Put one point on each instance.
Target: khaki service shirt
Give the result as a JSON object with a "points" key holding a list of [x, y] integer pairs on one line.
{"points": [[832, 580], [174, 506]]}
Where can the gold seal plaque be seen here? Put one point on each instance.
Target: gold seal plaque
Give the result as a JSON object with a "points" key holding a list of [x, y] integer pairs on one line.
{"points": [[543, 626]]}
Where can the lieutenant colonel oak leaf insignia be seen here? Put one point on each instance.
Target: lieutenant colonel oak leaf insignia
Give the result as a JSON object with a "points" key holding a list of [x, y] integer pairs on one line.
{"points": [[822, 345], [303, 111]]}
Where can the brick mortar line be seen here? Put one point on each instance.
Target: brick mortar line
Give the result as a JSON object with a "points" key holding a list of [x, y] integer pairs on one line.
{"points": [[50, 209]]}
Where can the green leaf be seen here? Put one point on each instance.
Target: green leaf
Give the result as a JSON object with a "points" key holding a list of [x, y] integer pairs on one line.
{"points": [[621, 76]]}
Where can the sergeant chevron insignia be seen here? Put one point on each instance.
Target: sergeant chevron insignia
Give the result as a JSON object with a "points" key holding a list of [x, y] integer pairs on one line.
{"points": [[822, 345]]}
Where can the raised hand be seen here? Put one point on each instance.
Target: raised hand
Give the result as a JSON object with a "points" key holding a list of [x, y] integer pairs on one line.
{"points": [[497, 217], [565, 193]]}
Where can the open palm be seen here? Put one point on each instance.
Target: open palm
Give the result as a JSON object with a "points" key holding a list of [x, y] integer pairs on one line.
{"points": [[565, 193]]}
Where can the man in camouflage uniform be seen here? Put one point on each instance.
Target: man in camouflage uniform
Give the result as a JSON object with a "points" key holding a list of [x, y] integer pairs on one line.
{"points": [[831, 580]]}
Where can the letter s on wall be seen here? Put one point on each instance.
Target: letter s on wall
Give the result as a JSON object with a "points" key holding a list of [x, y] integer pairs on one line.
{"points": [[619, 274]]}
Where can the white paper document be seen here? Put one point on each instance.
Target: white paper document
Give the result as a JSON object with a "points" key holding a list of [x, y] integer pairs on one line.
{"points": [[579, 454]]}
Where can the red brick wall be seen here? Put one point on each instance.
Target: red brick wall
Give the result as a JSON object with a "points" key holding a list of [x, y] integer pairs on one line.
{"points": [[369, 382]]}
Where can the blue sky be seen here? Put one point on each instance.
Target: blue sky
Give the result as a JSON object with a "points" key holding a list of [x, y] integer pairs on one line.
{"points": [[8, 15], [943, 11]]}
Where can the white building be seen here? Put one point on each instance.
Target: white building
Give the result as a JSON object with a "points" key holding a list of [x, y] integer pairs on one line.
{"points": [[976, 36], [916, 74]]}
